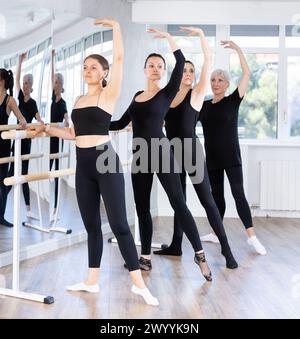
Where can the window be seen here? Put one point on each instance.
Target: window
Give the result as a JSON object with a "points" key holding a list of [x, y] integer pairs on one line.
{"points": [[257, 36], [292, 34], [258, 112], [293, 95]]}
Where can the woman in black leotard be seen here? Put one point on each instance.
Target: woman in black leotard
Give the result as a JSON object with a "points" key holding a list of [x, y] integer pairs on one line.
{"points": [[8, 104], [181, 121], [91, 117], [219, 118], [59, 113], [147, 112], [29, 110]]}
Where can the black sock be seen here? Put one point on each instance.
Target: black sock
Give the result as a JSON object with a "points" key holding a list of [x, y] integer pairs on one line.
{"points": [[5, 223], [174, 249], [226, 251]]}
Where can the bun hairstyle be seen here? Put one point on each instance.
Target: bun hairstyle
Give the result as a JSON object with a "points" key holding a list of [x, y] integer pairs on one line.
{"points": [[8, 78], [103, 62], [152, 55]]}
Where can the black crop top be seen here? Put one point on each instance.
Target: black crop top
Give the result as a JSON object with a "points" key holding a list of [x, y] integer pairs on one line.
{"points": [[91, 120]]}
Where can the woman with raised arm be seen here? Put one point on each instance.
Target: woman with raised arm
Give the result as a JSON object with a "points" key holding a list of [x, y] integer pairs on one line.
{"points": [[29, 110], [91, 118], [181, 121], [147, 112], [59, 113], [8, 105], [219, 118]]}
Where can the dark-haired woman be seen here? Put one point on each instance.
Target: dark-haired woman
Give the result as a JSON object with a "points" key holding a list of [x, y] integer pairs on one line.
{"points": [[91, 117], [147, 112], [7, 105], [181, 121]]}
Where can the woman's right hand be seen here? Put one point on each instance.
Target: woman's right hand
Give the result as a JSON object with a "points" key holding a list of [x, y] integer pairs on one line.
{"points": [[107, 23], [37, 129]]}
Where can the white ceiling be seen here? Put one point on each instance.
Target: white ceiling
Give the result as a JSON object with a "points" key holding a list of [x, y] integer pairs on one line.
{"points": [[132, 1], [18, 20]]}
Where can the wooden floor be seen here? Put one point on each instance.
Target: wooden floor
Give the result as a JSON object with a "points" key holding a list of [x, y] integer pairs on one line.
{"points": [[262, 287]]}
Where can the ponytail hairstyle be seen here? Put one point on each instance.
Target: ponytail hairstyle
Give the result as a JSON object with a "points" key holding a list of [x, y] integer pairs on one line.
{"points": [[8, 78], [103, 62]]}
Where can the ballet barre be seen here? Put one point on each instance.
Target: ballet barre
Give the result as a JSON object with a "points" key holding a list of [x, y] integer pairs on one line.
{"points": [[16, 181], [24, 157], [18, 126], [22, 179]]}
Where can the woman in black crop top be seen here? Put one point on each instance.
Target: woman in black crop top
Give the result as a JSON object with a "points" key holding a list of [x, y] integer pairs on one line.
{"points": [[181, 121], [59, 113], [7, 104], [29, 110], [219, 118], [98, 170], [147, 112]]}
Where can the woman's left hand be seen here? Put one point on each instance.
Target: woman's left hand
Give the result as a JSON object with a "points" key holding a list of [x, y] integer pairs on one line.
{"points": [[230, 44], [159, 34]]}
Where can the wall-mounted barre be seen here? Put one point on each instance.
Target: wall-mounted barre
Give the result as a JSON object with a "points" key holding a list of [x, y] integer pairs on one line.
{"points": [[18, 127], [8, 160], [11, 181]]}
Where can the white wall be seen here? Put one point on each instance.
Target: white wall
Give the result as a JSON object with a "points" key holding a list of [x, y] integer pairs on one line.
{"points": [[253, 153], [215, 12]]}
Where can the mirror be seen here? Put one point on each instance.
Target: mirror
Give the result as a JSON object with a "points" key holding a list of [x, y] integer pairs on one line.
{"points": [[25, 49]]}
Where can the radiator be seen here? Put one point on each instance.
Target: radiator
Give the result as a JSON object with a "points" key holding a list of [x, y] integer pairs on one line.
{"points": [[280, 185]]}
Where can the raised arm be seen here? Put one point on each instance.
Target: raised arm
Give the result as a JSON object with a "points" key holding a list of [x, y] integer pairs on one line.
{"points": [[53, 69], [113, 88], [242, 87], [199, 90], [22, 57], [174, 83]]}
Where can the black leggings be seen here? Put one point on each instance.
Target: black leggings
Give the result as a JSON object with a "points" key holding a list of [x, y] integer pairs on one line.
{"points": [[4, 152], [142, 185], [207, 201], [90, 184], [235, 177], [54, 148], [25, 149]]}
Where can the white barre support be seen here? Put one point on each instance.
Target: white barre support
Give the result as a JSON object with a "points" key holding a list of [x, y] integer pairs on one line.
{"points": [[15, 291], [53, 228]]}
